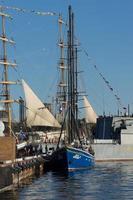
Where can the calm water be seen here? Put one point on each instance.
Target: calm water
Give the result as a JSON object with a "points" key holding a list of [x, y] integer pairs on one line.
{"points": [[105, 181]]}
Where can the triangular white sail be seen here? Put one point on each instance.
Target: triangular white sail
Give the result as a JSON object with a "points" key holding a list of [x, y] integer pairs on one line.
{"points": [[90, 114], [36, 113]]}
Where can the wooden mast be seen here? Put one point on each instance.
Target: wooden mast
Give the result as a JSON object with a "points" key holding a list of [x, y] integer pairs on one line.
{"points": [[6, 93], [72, 78], [62, 69], [73, 129], [69, 78]]}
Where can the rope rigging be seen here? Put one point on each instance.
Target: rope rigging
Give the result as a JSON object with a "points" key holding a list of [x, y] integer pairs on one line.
{"points": [[42, 13], [39, 13], [106, 82]]}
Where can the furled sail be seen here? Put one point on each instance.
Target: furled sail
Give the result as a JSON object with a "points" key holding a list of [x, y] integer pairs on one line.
{"points": [[90, 114], [36, 113]]}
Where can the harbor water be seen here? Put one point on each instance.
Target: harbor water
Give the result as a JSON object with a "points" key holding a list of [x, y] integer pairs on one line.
{"points": [[104, 181]]}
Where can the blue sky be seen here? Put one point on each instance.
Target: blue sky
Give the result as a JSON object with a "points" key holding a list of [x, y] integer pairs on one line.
{"points": [[105, 30]]}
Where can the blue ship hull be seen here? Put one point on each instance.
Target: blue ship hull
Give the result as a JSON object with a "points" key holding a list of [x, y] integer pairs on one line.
{"points": [[79, 159], [69, 159]]}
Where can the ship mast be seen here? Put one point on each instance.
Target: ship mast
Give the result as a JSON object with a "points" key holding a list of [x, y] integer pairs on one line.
{"points": [[61, 94], [5, 82], [72, 80]]}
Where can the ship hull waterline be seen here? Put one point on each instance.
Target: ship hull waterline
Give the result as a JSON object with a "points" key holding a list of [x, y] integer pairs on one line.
{"points": [[69, 159]]}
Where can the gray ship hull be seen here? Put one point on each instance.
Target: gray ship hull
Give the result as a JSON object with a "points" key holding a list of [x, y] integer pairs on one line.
{"points": [[113, 152]]}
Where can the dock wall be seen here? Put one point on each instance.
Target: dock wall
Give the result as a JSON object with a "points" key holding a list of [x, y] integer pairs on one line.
{"points": [[6, 178], [14, 173]]}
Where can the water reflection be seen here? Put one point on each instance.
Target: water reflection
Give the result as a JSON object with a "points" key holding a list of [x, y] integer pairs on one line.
{"points": [[105, 181]]}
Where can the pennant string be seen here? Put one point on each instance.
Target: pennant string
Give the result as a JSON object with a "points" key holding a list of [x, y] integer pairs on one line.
{"points": [[105, 81], [29, 11]]}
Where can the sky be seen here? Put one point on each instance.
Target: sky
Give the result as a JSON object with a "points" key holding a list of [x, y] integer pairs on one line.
{"points": [[105, 31]]}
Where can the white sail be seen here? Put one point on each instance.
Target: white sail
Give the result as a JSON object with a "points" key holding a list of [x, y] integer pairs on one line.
{"points": [[36, 113], [90, 114]]}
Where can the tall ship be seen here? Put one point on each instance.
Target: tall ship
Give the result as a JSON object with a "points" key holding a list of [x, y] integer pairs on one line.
{"points": [[7, 137], [19, 153], [20, 136], [70, 153]]}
